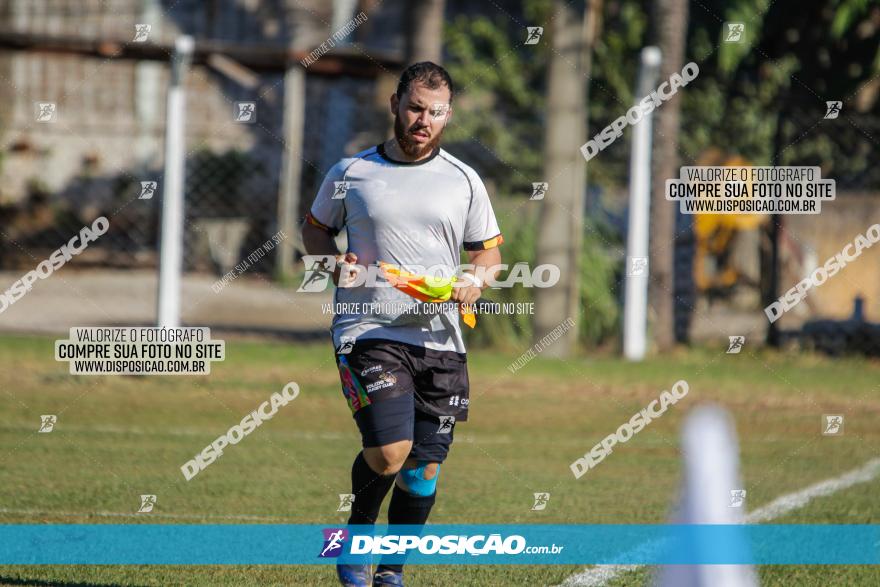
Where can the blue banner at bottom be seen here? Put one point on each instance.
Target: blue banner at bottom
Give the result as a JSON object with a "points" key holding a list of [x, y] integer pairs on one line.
{"points": [[259, 544]]}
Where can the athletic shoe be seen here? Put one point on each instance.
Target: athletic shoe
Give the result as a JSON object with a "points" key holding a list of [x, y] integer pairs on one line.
{"points": [[388, 578], [354, 575]]}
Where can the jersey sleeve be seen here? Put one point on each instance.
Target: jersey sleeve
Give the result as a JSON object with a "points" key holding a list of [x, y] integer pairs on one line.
{"points": [[327, 213], [481, 228]]}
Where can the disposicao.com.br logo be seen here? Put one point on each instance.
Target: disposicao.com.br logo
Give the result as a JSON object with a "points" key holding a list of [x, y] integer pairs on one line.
{"points": [[334, 540], [319, 270], [449, 544]]}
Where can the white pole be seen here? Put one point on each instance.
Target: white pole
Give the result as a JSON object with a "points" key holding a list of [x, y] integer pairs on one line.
{"points": [[711, 475], [635, 307], [291, 166], [171, 243]]}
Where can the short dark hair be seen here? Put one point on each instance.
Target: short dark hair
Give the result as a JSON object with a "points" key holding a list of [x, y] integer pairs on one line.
{"points": [[428, 73]]}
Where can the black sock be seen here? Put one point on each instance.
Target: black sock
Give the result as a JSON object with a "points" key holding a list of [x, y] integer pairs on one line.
{"points": [[369, 489], [407, 508]]}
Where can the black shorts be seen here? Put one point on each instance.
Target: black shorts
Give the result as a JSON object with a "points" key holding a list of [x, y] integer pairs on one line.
{"points": [[398, 391]]}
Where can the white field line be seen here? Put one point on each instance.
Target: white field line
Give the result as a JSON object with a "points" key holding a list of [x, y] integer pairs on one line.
{"points": [[203, 432], [792, 501], [602, 574], [206, 516]]}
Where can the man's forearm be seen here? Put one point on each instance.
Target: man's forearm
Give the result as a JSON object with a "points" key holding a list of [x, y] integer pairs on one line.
{"points": [[318, 242], [486, 266]]}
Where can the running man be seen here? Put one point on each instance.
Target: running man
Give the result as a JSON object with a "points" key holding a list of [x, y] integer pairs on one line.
{"points": [[410, 203]]}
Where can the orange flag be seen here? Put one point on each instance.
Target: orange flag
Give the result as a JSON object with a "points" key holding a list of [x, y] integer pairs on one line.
{"points": [[426, 288]]}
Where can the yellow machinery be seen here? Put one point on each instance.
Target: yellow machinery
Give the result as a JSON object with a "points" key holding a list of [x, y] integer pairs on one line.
{"points": [[715, 234]]}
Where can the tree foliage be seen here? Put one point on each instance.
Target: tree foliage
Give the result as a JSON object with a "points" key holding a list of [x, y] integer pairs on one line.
{"points": [[763, 99]]}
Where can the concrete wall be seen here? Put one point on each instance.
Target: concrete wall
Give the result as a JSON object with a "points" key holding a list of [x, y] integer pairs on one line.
{"points": [[825, 235]]}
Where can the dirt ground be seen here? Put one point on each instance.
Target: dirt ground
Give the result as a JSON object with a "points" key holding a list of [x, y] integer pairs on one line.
{"points": [[249, 305]]}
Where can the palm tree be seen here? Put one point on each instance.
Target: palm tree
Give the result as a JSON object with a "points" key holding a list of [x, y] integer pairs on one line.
{"points": [[561, 221], [671, 17], [424, 31]]}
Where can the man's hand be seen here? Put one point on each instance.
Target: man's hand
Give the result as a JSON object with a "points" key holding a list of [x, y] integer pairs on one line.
{"points": [[471, 287], [467, 294], [345, 262]]}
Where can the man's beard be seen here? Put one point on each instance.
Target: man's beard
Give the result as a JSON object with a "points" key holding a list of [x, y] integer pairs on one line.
{"points": [[409, 146]]}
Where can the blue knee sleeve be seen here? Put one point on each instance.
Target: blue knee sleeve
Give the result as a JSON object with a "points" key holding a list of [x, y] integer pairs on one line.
{"points": [[415, 481]]}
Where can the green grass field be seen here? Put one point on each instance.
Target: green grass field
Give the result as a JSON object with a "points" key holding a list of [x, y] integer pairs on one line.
{"points": [[119, 437]]}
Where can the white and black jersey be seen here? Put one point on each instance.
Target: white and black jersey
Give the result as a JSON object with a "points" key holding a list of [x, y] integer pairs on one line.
{"points": [[419, 215]]}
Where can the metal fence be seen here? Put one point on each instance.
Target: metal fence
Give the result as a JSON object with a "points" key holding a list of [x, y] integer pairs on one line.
{"points": [[101, 141]]}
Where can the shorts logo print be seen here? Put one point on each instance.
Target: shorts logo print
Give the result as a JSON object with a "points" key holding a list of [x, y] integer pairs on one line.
{"points": [[354, 392], [385, 380], [457, 401], [371, 369]]}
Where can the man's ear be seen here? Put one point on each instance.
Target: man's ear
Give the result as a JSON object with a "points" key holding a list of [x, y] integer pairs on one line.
{"points": [[448, 116], [395, 102]]}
